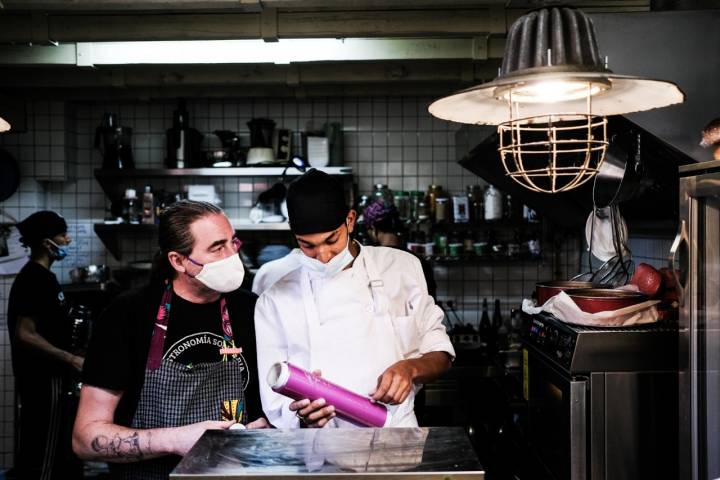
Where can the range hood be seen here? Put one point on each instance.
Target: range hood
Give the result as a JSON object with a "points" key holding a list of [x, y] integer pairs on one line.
{"points": [[653, 210]]}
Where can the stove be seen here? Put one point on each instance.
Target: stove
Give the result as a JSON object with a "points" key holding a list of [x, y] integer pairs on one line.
{"points": [[600, 400], [584, 349]]}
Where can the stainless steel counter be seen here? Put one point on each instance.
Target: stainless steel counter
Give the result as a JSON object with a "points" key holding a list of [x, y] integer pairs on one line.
{"points": [[390, 453]]}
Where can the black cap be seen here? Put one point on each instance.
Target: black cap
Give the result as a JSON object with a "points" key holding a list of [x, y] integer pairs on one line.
{"points": [[316, 203], [39, 226]]}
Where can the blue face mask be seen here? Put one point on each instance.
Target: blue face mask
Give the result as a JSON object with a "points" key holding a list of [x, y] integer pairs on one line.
{"points": [[57, 252]]}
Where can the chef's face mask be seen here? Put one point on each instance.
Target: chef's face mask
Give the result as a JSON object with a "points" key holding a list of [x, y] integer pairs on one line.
{"points": [[334, 266], [224, 275], [56, 251]]}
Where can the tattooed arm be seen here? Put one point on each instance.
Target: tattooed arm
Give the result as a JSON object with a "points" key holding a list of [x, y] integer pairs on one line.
{"points": [[96, 437]]}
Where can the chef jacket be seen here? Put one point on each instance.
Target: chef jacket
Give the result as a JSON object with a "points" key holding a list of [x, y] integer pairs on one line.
{"points": [[273, 271], [367, 317]]}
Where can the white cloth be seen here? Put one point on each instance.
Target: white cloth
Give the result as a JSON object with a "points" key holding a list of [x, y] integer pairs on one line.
{"points": [[273, 271], [359, 331], [562, 307]]}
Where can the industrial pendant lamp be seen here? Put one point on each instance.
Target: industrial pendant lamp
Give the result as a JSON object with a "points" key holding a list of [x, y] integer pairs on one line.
{"points": [[550, 100]]}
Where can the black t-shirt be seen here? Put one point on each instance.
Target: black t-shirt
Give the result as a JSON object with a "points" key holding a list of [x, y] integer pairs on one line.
{"points": [[36, 293], [120, 343]]}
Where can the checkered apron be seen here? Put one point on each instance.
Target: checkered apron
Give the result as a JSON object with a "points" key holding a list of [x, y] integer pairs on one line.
{"points": [[174, 395]]}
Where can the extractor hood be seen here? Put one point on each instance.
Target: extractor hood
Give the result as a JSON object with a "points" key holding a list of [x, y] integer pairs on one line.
{"points": [[653, 210]]}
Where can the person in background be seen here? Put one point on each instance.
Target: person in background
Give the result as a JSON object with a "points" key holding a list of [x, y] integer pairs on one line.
{"points": [[361, 316], [385, 229], [40, 339], [175, 358]]}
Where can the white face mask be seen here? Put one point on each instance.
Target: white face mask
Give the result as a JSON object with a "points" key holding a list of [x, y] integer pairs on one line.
{"points": [[222, 276], [331, 268]]}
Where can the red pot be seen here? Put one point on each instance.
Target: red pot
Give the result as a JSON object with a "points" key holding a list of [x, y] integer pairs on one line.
{"points": [[593, 300], [546, 290]]}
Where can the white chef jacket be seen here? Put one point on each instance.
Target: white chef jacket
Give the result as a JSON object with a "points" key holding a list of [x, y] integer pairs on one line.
{"points": [[350, 346], [272, 271]]}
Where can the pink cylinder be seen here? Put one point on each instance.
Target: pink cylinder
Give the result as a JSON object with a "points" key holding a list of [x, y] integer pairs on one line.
{"points": [[296, 383]]}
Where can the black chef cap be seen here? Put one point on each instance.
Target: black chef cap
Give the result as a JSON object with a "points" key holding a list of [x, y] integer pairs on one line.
{"points": [[39, 226], [316, 203]]}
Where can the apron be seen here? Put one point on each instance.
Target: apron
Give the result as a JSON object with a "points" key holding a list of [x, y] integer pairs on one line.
{"points": [[354, 350], [175, 395]]}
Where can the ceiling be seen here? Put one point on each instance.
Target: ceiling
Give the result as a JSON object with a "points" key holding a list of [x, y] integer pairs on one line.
{"points": [[46, 46]]}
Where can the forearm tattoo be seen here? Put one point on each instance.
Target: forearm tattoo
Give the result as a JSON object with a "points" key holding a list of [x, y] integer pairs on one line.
{"points": [[118, 446]]}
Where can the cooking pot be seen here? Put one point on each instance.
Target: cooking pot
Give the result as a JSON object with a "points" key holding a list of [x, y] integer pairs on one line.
{"points": [[593, 300], [546, 290]]}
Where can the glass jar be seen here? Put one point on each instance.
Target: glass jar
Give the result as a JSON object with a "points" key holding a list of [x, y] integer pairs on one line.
{"points": [[434, 191], [461, 207], [422, 213], [402, 203], [442, 209], [493, 204], [382, 192]]}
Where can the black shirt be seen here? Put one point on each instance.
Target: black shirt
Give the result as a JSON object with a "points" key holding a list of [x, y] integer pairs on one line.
{"points": [[120, 343], [36, 293]]}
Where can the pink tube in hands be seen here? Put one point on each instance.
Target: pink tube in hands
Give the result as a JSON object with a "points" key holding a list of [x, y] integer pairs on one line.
{"points": [[296, 383]]}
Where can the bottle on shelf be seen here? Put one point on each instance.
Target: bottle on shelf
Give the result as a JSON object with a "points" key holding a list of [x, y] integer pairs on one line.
{"points": [[495, 326], [130, 211], [461, 209], [513, 247], [455, 246], [468, 243], [434, 191], [476, 206], [183, 142], [442, 210], [402, 203], [508, 213], [382, 192], [485, 325], [148, 206], [493, 204]]}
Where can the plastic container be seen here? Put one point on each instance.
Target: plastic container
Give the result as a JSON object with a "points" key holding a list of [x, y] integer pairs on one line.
{"points": [[296, 383]]}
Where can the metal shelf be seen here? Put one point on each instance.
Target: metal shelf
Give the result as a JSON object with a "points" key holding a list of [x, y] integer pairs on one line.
{"points": [[110, 233], [110, 180]]}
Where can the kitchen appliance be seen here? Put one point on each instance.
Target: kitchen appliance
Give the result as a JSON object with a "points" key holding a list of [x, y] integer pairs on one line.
{"points": [[261, 141], [695, 263], [600, 401], [183, 142], [114, 143]]}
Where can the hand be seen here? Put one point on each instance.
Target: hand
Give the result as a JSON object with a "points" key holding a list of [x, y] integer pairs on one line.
{"points": [[77, 362], [185, 437], [395, 384], [313, 414], [259, 423]]}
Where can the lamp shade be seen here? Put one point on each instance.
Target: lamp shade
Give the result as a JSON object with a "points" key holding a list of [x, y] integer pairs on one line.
{"points": [[552, 66], [4, 125]]}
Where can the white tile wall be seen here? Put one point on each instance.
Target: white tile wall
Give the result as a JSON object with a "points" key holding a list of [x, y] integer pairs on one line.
{"points": [[387, 140]]}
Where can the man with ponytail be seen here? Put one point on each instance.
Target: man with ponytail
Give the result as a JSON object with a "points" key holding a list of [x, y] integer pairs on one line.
{"points": [[175, 358]]}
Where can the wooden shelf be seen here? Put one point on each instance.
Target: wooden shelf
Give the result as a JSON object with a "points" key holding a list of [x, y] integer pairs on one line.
{"points": [[110, 233]]}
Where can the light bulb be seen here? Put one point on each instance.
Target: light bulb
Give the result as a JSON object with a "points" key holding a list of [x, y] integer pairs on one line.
{"points": [[551, 91]]}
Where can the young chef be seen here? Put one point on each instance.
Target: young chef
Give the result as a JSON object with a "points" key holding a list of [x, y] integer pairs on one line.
{"points": [[40, 338], [361, 316], [176, 358]]}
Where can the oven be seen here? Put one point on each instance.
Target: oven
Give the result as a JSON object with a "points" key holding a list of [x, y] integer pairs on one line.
{"points": [[601, 403]]}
